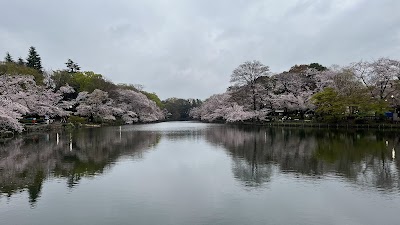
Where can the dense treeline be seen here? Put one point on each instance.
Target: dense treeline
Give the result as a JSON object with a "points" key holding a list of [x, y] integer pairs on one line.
{"points": [[27, 90], [358, 92], [179, 109]]}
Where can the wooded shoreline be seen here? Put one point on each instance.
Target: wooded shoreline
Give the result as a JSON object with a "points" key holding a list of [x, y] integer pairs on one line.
{"points": [[382, 126], [58, 126]]}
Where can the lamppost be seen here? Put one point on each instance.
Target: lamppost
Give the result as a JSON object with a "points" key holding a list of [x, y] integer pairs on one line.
{"points": [[394, 110], [393, 103]]}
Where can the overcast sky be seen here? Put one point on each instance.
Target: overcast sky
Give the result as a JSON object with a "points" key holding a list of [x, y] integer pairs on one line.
{"points": [[188, 48]]}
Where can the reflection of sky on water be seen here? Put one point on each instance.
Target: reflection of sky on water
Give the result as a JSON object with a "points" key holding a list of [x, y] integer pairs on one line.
{"points": [[188, 170]]}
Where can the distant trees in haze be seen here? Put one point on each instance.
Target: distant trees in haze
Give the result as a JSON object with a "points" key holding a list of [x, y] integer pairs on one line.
{"points": [[178, 109]]}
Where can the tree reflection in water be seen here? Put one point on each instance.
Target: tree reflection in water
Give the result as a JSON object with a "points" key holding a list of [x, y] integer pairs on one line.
{"points": [[26, 161], [362, 157]]}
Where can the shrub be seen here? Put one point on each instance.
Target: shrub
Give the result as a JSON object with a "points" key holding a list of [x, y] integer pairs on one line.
{"points": [[76, 119]]}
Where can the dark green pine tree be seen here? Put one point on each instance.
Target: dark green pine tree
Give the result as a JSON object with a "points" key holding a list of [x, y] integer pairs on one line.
{"points": [[21, 61], [34, 60], [317, 66], [72, 66], [8, 58]]}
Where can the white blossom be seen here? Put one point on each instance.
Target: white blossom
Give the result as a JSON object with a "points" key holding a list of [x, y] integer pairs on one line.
{"points": [[137, 104], [96, 104], [10, 113]]}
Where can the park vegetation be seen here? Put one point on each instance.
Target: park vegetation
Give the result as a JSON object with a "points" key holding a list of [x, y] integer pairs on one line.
{"points": [[26, 90], [360, 92]]}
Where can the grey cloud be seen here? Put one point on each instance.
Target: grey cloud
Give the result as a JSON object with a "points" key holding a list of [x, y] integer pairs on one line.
{"points": [[189, 48]]}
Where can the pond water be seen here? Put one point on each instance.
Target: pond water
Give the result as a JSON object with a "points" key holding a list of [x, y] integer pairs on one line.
{"points": [[192, 173]]}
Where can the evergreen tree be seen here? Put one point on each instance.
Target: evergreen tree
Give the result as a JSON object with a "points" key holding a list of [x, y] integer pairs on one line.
{"points": [[21, 61], [8, 58], [34, 60], [317, 66], [72, 66]]}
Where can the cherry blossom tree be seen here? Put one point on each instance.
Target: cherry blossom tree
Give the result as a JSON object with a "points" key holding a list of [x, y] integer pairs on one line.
{"points": [[129, 105], [21, 96], [213, 108], [10, 113], [324, 79], [66, 89], [246, 75], [346, 83], [221, 107], [292, 91], [287, 82], [378, 76], [255, 95], [38, 99], [292, 103], [96, 104], [69, 95], [137, 106], [236, 113]]}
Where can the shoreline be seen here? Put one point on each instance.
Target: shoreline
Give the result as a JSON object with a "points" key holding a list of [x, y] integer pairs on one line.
{"points": [[379, 126], [308, 124], [32, 128]]}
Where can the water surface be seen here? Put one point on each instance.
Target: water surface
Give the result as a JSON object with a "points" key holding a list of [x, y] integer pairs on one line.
{"points": [[193, 173]]}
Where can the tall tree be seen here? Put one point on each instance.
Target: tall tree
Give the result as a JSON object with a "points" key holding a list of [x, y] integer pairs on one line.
{"points": [[72, 66], [34, 61], [330, 104], [378, 76], [247, 74], [8, 58]]}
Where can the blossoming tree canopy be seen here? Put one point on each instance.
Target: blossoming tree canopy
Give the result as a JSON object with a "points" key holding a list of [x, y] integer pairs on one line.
{"points": [[37, 99], [303, 88], [10, 113], [20, 95]]}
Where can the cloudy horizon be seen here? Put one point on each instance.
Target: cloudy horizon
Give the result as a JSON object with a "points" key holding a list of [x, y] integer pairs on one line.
{"points": [[188, 49]]}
